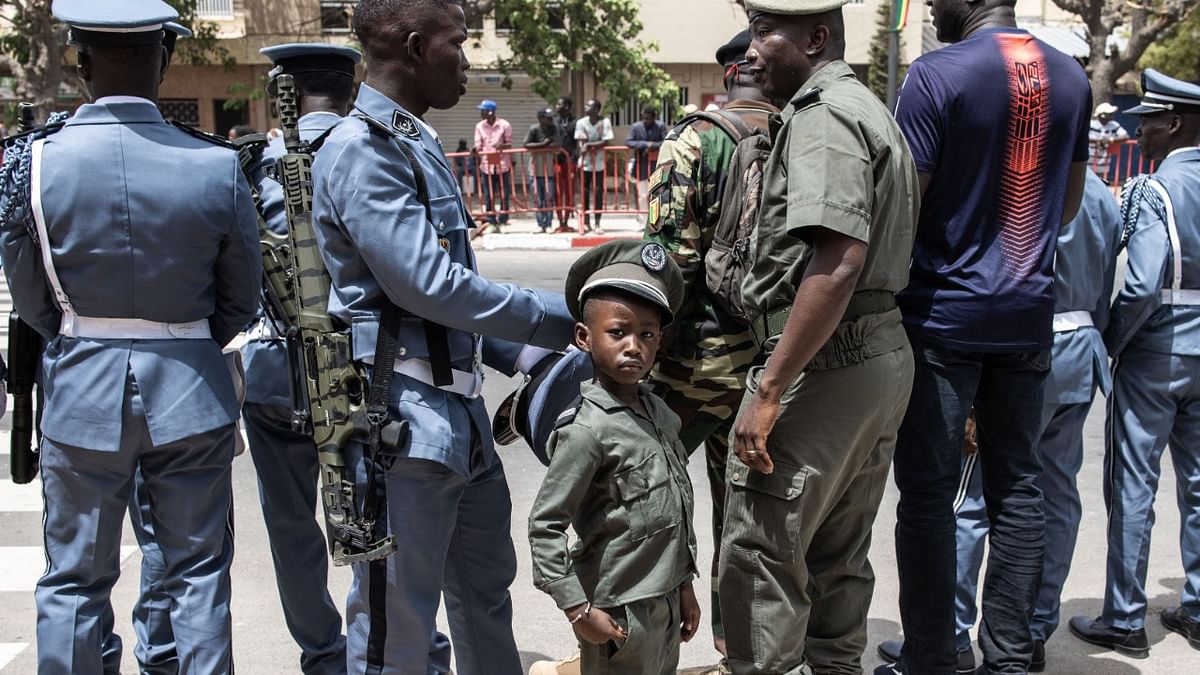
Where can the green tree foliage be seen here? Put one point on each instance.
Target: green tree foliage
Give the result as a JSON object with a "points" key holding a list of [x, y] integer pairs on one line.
{"points": [[1142, 22], [877, 56], [204, 47], [1178, 52], [593, 36]]}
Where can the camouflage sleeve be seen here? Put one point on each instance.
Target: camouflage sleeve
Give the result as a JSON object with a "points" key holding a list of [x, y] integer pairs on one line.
{"points": [[675, 218]]}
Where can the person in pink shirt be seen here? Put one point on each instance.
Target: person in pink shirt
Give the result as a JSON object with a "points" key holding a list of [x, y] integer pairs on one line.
{"points": [[493, 135]]}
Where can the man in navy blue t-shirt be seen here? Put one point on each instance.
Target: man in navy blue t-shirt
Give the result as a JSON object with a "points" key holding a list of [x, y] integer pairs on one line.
{"points": [[998, 128]]}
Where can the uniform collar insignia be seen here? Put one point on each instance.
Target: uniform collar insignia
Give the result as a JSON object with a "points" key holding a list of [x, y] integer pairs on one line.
{"points": [[405, 124]]}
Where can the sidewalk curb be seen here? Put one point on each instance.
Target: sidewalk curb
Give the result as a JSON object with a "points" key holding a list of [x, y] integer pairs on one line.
{"points": [[548, 242]]}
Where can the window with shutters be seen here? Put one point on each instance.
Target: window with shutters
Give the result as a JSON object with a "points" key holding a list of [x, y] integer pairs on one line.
{"points": [[184, 110], [668, 110]]}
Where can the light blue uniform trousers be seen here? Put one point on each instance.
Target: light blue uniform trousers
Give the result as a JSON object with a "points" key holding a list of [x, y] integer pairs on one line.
{"points": [[286, 464], [87, 494], [452, 534], [1155, 404], [1061, 448]]}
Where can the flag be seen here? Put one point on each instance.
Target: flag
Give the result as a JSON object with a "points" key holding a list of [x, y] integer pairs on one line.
{"points": [[899, 18]]}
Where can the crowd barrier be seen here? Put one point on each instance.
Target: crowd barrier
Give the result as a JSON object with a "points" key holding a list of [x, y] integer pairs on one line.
{"points": [[485, 179], [1125, 162]]}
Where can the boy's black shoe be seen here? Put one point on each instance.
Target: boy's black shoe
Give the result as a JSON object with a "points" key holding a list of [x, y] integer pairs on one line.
{"points": [[889, 650], [1174, 620], [1037, 664], [889, 669], [1128, 642]]}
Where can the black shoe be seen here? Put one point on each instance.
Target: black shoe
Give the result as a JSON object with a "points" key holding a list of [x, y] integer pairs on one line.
{"points": [[1037, 664], [1128, 642], [1174, 620], [889, 650]]}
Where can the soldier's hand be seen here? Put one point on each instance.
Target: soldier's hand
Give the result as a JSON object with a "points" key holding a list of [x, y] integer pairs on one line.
{"points": [[689, 608], [751, 432], [596, 627]]}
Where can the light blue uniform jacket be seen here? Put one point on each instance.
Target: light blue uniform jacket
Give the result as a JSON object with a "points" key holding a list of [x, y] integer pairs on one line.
{"points": [[266, 358], [1084, 265], [145, 221], [380, 247], [1139, 319]]}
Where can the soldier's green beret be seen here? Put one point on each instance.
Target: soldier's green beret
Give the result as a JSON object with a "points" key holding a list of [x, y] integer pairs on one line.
{"points": [[793, 6], [638, 267]]}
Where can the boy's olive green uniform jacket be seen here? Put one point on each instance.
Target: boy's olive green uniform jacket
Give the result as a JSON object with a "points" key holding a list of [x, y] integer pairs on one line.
{"points": [[621, 481]]}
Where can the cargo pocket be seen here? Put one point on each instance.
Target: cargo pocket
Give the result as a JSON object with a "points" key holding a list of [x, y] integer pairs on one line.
{"points": [[646, 497], [762, 512]]}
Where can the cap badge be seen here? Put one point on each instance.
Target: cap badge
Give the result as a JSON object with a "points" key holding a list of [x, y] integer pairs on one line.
{"points": [[405, 124], [654, 257]]}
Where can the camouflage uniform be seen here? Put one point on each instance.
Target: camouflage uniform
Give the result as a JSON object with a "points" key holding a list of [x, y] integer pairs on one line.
{"points": [[701, 373]]}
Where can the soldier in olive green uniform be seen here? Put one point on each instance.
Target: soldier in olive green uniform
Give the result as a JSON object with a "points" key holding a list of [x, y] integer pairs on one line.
{"points": [[816, 432], [701, 374], [618, 476]]}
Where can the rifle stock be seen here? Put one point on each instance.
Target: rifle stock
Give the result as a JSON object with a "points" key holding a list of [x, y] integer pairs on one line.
{"points": [[334, 411], [24, 352]]}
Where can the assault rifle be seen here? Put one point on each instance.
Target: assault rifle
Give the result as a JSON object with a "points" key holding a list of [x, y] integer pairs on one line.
{"points": [[333, 405], [24, 352]]}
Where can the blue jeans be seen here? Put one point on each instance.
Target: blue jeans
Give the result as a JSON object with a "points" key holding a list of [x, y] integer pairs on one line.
{"points": [[542, 188], [1005, 389], [1061, 451], [494, 185]]}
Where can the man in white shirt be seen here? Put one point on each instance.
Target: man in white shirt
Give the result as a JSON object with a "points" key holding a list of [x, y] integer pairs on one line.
{"points": [[1104, 133], [593, 133]]}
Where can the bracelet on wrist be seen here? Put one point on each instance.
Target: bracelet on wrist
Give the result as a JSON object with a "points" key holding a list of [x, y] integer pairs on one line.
{"points": [[587, 608]]}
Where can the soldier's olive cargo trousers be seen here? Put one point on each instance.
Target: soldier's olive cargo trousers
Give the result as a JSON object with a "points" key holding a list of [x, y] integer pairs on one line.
{"points": [[795, 581], [651, 646]]}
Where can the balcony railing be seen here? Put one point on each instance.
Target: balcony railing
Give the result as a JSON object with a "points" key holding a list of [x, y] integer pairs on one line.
{"points": [[214, 9]]}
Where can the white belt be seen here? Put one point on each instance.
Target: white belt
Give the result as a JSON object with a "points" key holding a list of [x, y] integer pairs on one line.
{"points": [[1185, 296], [468, 385], [76, 326], [1069, 321]]}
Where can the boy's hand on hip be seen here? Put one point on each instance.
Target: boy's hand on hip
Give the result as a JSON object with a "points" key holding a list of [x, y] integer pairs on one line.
{"points": [[689, 609]]}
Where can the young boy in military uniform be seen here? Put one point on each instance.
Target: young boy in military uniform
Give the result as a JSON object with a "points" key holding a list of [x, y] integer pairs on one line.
{"points": [[618, 475]]}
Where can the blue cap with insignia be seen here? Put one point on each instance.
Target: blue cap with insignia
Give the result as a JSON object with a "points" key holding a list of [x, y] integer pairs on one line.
{"points": [[641, 268], [1166, 94], [531, 411], [114, 23], [305, 57], [298, 58], [487, 104]]}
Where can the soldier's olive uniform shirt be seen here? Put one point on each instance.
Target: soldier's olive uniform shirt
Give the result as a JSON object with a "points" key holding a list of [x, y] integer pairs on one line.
{"points": [[839, 162], [620, 479], [711, 349]]}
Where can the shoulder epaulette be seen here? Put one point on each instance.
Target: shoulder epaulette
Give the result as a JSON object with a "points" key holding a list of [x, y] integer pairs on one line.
{"points": [[807, 98], [40, 132], [202, 135], [567, 416]]}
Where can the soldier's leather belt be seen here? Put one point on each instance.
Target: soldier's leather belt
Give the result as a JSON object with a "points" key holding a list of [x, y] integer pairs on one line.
{"points": [[862, 303]]}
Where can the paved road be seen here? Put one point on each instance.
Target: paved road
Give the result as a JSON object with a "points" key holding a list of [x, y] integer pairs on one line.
{"points": [[262, 644]]}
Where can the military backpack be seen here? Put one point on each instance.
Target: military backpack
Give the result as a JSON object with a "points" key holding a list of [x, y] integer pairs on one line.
{"points": [[728, 254]]}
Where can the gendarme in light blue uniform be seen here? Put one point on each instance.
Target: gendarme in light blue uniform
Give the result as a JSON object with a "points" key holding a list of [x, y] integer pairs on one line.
{"points": [[1084, 265], [447, 497], [1154, 336], [286, 464], [165, 237]]}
